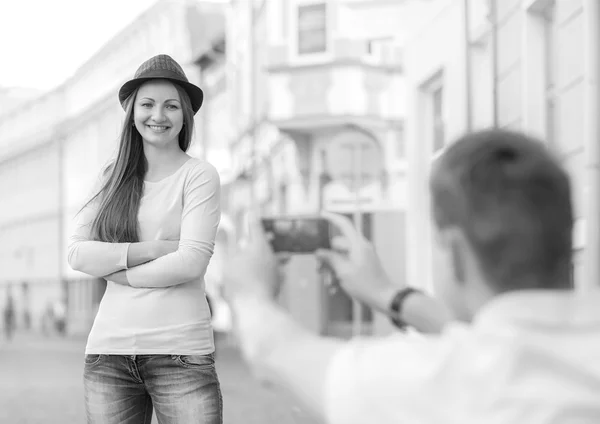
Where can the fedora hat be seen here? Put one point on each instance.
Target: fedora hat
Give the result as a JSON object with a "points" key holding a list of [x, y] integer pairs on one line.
{"points": [[162, 67]]}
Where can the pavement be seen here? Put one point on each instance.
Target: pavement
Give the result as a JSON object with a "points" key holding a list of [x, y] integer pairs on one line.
{"points": [[41, 382]]}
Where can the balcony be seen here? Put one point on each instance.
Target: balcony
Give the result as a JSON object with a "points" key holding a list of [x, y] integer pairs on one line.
{"points": [[354, 83]]}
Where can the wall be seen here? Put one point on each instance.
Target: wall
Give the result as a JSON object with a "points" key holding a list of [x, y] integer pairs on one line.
{"points": [[435, 49], [521, 95]]}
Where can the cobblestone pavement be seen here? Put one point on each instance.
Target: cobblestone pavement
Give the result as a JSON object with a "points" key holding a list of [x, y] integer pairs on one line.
{"points": [[41, 382]]}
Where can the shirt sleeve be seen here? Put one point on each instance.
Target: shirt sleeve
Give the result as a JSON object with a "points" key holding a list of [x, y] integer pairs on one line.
{"points": [[91, 257], [383, 380], [199, 223]]}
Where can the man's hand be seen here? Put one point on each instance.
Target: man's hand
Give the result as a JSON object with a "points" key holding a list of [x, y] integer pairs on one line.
{"points": [[254, 271], [278, 349], [357, 266]]}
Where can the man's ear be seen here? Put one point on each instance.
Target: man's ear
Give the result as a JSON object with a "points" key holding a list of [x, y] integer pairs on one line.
{"points": [[453, 240], [458, 261]]}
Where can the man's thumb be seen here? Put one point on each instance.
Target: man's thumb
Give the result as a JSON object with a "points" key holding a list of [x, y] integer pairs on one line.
{"points": [[329, 258]]}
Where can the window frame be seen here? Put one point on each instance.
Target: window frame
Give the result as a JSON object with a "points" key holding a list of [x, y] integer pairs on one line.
{"points": [[434, 84], [294, 33], [303, 31]]}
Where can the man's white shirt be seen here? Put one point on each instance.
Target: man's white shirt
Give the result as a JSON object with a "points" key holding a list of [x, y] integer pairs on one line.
{"points": [[528, 358]]}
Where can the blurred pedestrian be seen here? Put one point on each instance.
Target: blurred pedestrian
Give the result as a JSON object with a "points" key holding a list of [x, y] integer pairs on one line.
{"points": [[9, 315], [150, 231], [27, 319], [59, 315], [521, 346], [26, 306], [48, 319]]}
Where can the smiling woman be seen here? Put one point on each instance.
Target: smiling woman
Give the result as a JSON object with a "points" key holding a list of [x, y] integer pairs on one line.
{"points": [[150, 232]]}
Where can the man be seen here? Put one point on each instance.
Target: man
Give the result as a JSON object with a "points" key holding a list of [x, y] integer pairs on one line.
{"points": [[523, 347]]}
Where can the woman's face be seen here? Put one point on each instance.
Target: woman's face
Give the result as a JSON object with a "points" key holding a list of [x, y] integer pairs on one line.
{"points": [[157, 113]]}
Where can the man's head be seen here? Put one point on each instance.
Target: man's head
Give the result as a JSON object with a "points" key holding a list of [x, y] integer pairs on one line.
{"points": [[502, 207]]}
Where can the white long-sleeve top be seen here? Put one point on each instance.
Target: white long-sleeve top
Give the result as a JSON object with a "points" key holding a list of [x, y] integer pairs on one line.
{"points": [[165, 310]]}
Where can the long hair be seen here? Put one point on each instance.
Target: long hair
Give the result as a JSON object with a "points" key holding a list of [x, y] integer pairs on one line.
{"points": [[123, 179]]}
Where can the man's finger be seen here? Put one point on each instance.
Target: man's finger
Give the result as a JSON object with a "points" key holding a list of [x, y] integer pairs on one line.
{"points": [[283, 258], [257, 234], [255, 227], [340, 244], [330, 258], [345, 226]]}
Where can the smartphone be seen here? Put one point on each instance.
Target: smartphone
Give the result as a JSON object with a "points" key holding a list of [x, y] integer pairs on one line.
{"points": [[300, 234]]}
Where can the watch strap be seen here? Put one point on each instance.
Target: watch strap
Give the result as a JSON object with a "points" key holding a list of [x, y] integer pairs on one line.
{"points": [[397, 303]]}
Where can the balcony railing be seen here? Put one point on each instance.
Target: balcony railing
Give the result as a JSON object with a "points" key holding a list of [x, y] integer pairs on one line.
{"points": [[359, 81]]}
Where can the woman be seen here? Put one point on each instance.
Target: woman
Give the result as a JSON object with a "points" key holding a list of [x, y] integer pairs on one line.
{"points": [[150, 231]]}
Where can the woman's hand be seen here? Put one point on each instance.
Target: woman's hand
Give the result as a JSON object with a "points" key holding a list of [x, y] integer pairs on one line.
{"points": [[161, 248], [146, 251], [140, 253]]}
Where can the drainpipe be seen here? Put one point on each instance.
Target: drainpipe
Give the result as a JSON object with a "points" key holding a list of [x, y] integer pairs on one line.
{"points": [[468, 70], [62, 239], [253, 105], [493, 17], [591, 10], [256, 12]]}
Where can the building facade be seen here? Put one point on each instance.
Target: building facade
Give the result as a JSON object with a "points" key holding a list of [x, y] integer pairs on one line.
{"points": [[55, 147]]}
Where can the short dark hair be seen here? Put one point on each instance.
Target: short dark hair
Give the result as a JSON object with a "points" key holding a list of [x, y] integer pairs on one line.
{"points": [[512, 199]]}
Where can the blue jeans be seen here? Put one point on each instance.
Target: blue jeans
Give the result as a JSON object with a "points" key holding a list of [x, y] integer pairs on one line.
{"points": [[183, 389]]}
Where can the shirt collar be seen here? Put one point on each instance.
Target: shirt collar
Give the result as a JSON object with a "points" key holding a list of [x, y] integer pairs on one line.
{"points": [[541, 308]]}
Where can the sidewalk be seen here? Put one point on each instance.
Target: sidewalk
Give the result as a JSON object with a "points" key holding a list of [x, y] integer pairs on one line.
{"points": [[41, 381]]}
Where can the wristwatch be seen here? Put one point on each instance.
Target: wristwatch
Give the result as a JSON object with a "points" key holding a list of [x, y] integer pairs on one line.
{"points": [[396, 306]]}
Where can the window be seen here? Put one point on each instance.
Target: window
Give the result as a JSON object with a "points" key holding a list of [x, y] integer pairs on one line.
{"points": [[434, 132], [540, 56], [550, 77], [376, 46], [358, 156], [312, 28], [400, 145], [437, 118]]}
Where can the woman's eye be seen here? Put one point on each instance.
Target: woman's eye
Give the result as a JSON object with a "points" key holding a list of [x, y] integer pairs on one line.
{"points": [[172, 107], [146, 104]]}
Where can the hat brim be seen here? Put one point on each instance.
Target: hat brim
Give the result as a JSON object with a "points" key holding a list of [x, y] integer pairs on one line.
{"points": [[196, 94]]}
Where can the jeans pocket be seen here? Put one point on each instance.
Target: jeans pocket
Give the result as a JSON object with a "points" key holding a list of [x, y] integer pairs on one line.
{"points": [[92, 359], [196, 361]]}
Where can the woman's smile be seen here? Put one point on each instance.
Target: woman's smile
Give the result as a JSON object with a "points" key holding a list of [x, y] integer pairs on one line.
{"points": [[158, 128]]}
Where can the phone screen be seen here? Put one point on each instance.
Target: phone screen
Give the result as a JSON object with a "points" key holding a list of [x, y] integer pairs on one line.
{"points": [[297, 234]]}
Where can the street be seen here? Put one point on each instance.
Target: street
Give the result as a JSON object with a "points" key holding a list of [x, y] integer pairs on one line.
{"points": [[41, 382]]}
